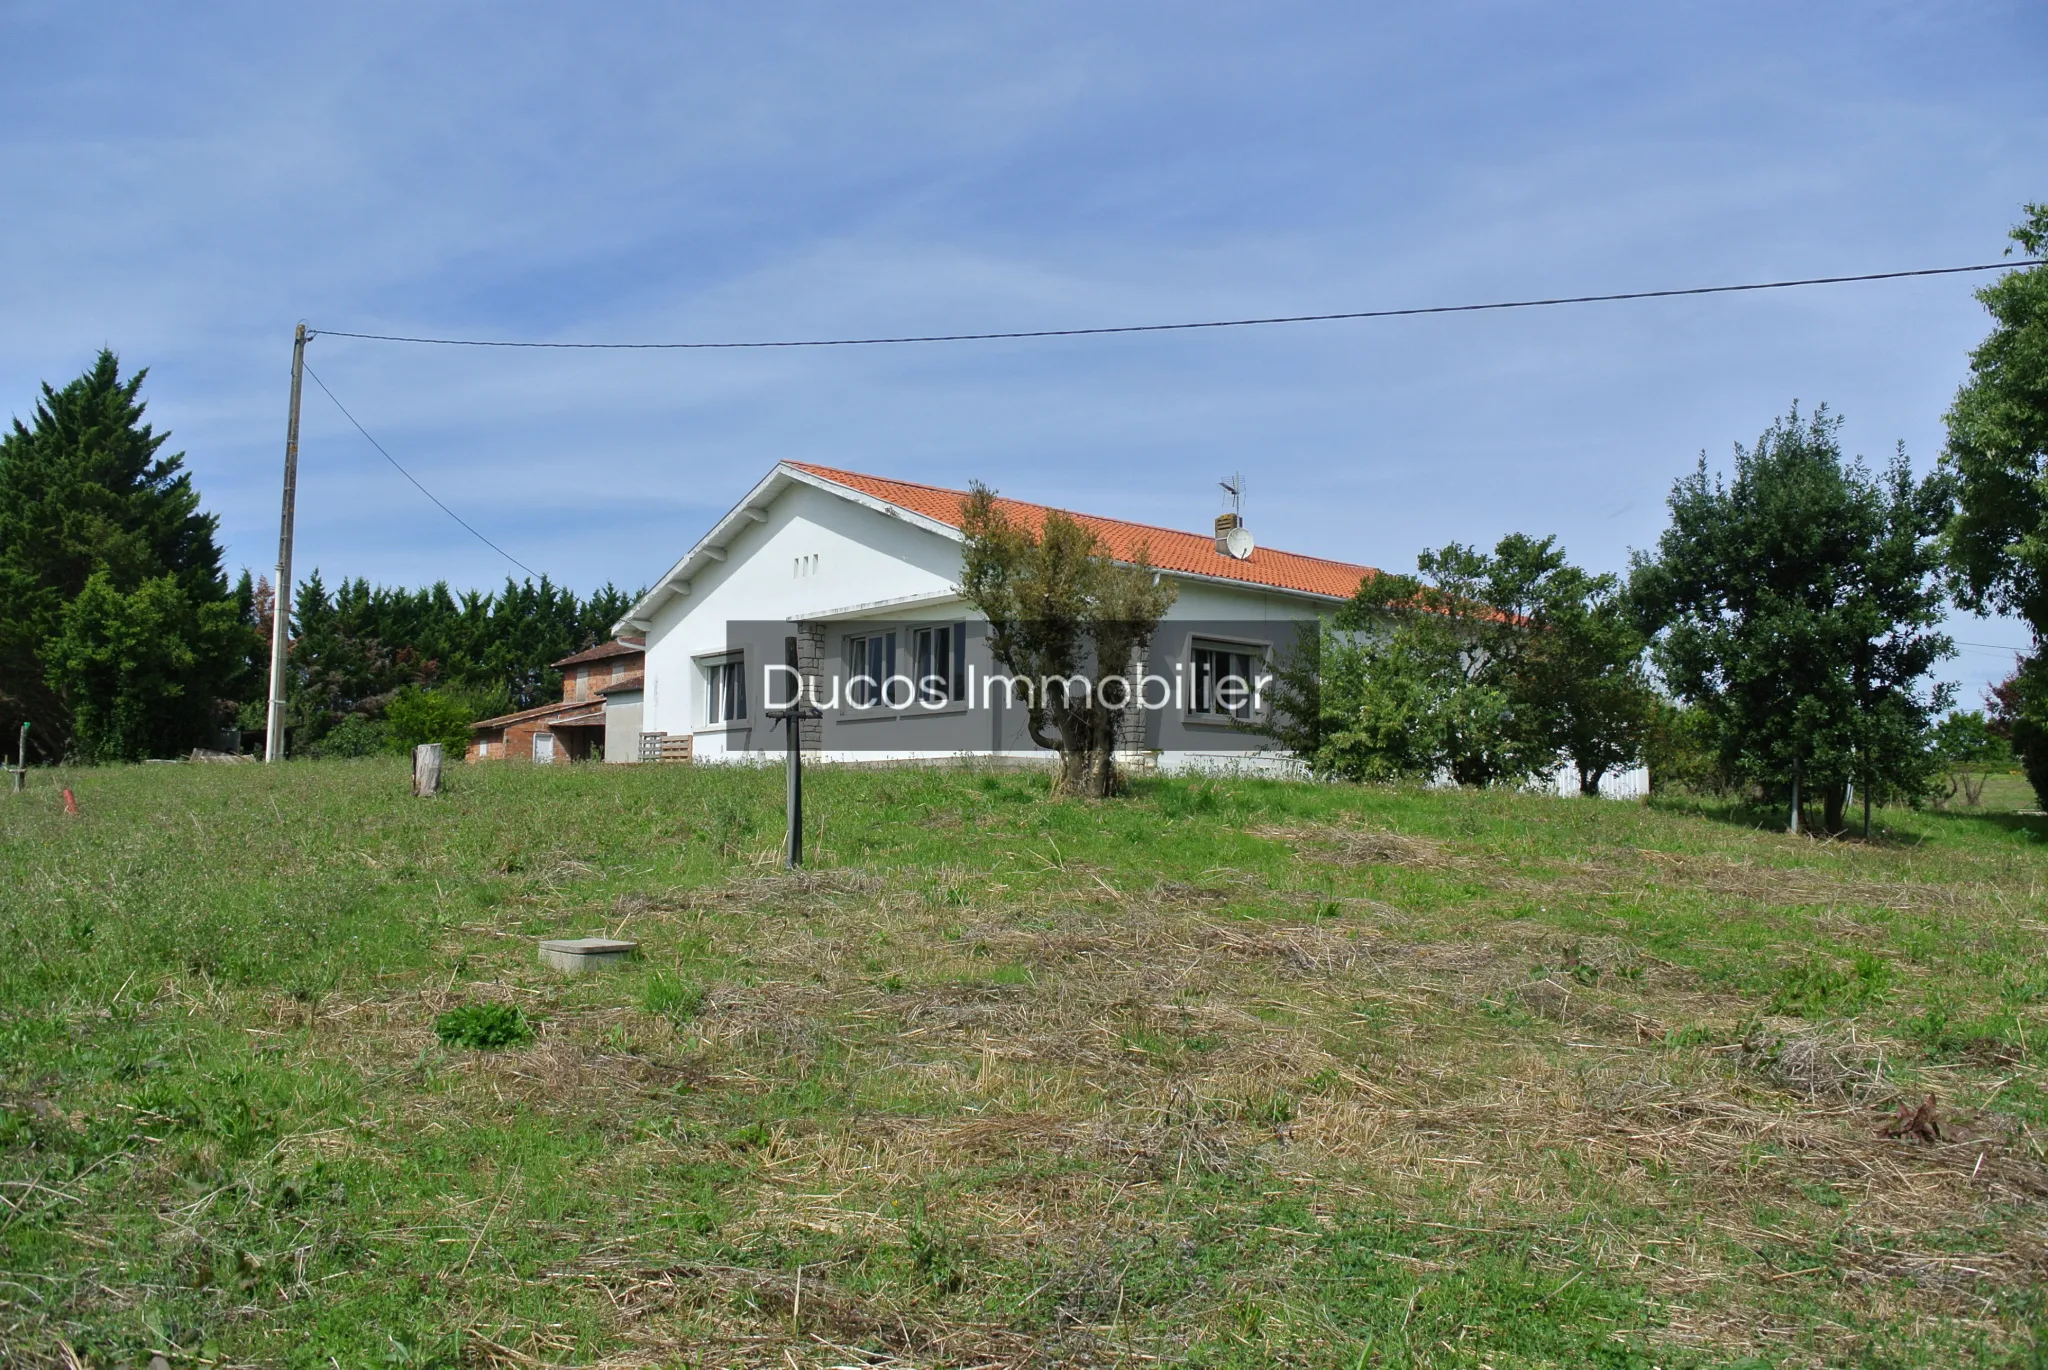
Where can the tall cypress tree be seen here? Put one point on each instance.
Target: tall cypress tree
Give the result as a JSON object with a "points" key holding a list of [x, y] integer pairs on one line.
{"points": [[87, 497]]}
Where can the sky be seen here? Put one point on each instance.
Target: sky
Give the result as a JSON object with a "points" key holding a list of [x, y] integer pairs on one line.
{"points": [[187, 183]]}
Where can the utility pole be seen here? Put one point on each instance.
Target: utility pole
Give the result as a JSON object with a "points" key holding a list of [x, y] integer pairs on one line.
{"points": [[281, 589]]}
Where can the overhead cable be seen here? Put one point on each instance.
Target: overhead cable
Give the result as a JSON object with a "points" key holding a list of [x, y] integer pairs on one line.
{"points": [[1182, 327], [415, 482]]}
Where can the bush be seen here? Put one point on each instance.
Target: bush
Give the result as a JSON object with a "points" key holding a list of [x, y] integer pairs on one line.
{"points": [[354, 736], [2019, 717], [442, 716], [485, 1027], [1682, 756]]}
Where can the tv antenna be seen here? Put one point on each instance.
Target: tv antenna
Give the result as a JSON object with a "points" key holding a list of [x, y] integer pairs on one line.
{"points": [[1234, 487]]}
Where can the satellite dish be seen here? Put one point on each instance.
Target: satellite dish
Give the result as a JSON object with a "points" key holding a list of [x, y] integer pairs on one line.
{"points": [[1238, 543]]}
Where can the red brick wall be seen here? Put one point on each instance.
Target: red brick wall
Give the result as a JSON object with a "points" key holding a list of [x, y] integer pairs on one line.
{"points": [[515, 743]]}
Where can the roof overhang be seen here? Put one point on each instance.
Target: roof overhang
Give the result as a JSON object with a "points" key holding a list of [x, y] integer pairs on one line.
{"points": [[752, 509], [930, 600]]}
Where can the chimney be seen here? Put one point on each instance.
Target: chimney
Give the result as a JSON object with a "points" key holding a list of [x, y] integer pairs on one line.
{"points": [[1224, 524]]}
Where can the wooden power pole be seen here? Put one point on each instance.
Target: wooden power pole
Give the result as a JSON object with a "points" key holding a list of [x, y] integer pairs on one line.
{"points": [[281, 590]]}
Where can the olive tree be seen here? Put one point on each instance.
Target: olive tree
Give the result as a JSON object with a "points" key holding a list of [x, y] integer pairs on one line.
{"points": [[1064, 618]]}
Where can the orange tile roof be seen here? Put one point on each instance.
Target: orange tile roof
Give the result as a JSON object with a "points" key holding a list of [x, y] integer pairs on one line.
{"points": [[616, 647], [1169, 549]]}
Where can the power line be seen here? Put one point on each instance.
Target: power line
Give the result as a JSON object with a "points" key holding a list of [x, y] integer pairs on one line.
{"points": [[1183, 327], [416, 485]]}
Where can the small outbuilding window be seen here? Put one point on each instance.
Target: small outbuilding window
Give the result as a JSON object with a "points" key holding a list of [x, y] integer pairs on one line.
{"points": [[544, 748]]}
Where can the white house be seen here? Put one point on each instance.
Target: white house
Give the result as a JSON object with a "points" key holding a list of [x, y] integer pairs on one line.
{"points": [[859, 576], [863, 572]]}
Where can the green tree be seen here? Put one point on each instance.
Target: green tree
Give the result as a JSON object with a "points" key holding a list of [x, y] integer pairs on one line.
{"points": [[356, 645], [1966, 748], [1998, 451], [1795, 607], [1378, 693], [1485, 667], [1682, 752], [1063, 616], [86, 492], [134, 671], [1582, 680], [2019, 716], [416, 716]]}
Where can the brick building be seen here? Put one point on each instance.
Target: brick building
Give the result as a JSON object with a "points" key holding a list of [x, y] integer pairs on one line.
{"points": [[597, 717]]}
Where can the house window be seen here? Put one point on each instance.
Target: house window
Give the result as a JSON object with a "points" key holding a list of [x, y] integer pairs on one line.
{"points": [[582, 681], [725, 692], [941, 654], [544, 748], [1226, 681], [870, 663], [618, 670]]}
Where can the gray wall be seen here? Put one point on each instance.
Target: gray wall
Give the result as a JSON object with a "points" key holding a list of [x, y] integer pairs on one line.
{"points": [[622, 713]]}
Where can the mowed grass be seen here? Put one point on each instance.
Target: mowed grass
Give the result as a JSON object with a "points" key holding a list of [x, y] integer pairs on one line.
{"points": [[1228, 1073]]}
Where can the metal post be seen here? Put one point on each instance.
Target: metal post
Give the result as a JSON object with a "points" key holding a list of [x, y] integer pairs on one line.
{"points": [[281, 591], [793, 720], [1793, 827]]}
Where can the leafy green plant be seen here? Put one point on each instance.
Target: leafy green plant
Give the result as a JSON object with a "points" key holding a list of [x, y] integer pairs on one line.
{"points": [[355, 736], [1814, 987], [416, 716], [486, 1027]]}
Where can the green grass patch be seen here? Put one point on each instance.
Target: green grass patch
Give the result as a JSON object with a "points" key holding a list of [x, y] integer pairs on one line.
{"points": [[1230, 1072]]}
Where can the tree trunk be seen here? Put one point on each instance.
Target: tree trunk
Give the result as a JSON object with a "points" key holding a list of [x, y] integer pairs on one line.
{"points": [[1833, 800], [1076, 771], [426, 768], [1589, 783]]}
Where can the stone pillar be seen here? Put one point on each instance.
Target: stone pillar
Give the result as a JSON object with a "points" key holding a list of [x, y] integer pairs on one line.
{"points": [[810, 662]]}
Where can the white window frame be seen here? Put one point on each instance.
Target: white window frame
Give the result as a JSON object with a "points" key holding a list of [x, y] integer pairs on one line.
{"points": [[870, 668], [1255, 655], [725, 689], [938, 655], [543, 749]]}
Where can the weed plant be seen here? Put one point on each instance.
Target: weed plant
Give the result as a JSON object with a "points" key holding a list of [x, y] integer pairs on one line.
{"points": [[485, 1027]]}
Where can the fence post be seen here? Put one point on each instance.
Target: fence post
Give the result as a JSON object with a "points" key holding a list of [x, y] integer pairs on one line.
{"points": [[426, 768]]}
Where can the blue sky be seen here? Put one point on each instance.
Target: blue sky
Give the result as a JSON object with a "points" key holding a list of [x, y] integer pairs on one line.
{"points": [[185, 185]]}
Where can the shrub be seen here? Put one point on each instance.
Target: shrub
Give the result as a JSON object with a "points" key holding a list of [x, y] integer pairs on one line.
{"points": [[416, 716], [485, 1027], [354, 736]]}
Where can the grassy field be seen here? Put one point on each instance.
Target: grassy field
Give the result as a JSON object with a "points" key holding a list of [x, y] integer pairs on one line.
{"points": [[1224, 1074]]}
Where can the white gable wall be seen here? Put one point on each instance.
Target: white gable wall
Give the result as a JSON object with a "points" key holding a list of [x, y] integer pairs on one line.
{"points": [[862, 555]]}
